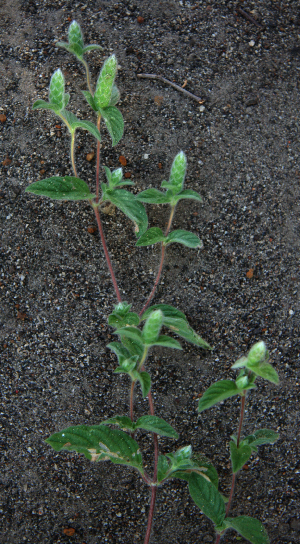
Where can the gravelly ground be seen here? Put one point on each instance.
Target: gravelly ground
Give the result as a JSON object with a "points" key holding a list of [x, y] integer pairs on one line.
{"points": [[56, 293]]}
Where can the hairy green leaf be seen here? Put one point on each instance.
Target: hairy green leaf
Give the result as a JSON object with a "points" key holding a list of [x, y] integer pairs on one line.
{"points": [[151, 236], [260, 437], [89, 99], [181, 327], [122, 421], [75, 35], [92, 47], [156, 425], [99, 443], [43, 105], [152, 327], [145, 381], [167, 342], [131, 332], [207, 498], [249, 528], [239, 455], [119, 350], [167, 310], [126, 202], [217, 392], [185, 238], [266, 371], [114, 123], [187, 193], [61, 188], [153, 196], [115, 96]]}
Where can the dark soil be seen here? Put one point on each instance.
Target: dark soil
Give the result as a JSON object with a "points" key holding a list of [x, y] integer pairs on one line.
{"points": [[56, 292]]}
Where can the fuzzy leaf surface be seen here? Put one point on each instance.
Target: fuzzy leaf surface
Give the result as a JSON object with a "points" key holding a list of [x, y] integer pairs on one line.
{"points": [[119, 350], [167, 310], [61, 188], [181, 327], [167, 342], [187, 193], [239, 455], [122, 421], [249, 528], [125, 201], [92, 47], [207, 498], [145, 381], [156, 425], [115, 96], [178, 171], [153, 196], [114, 123], [184, 237], [131, 332], [99, 443], [217, 392], [43, 105], [262, 436], [90, 100], [151, 236], [266, 371]]}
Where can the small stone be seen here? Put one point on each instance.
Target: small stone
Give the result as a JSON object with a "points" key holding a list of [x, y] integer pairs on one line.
{"points": [[90, 156], [140, 19], [146, 156], [91, 229], [127, 175], [2, 117], [6, 161], [122, 160], [201, 109], [69, 531], [252, 43], [249, 274], [158, 100]]}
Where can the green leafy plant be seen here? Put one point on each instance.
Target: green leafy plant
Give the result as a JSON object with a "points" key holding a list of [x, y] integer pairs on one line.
{"points": [[137, 333]]}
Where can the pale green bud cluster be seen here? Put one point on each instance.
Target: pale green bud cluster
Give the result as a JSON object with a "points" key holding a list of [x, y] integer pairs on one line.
{"points": [[75, 35], [105, 83], [57, 89], [178, 171]]}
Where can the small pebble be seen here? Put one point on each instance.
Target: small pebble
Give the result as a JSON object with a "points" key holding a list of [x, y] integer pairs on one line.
{"points": [[202, 108]]}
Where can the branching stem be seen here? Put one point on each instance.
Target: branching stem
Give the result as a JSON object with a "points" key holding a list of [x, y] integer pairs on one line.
{"points": [[163, 250]]}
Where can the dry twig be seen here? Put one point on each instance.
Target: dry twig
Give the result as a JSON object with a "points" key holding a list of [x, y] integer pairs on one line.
{"points": [[161, 78]]}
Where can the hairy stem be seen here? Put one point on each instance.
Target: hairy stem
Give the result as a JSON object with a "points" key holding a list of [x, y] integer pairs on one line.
{"points": [[163, 251], [153, 487], [88, 78], [98, 161], [131, 399], [151, 514], [113, 277], [242, 413], [73, 153]]}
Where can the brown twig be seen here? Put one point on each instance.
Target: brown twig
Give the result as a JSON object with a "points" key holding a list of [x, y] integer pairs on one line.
{"points": [[249, 18], [177, 87]]}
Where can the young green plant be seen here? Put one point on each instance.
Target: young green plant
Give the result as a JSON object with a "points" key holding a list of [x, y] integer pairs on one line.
{"points": [[137, 333]]}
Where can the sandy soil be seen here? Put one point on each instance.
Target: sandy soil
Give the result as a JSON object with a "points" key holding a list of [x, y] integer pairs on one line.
{"points": [[56, 292]]}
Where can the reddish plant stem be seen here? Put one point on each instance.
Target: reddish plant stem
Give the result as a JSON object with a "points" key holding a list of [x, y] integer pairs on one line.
{"points": [[131, 400], [163, 250], [153, 487], [113, 277], [151, 513], [243, 399], [98, 161]]}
